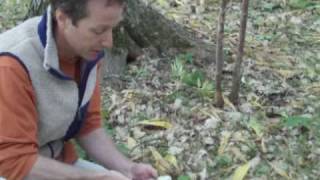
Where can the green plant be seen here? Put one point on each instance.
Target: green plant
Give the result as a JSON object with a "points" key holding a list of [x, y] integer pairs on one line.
{"points": [[123, 148], [107, 126], [315, 126], [311, 124], [297, 121], [206, 88], [187, 58], [81, 153], [270, 6], [184, 177], [300, 4], [142, 72], [109, 129], [105, 114], [14, 11], [178, 70], [262, 169], [139, 116], [195, 78], [178, 94], [223, 160], [192, 78]]}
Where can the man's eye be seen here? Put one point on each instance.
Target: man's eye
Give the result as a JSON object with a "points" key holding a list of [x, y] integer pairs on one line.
{"points": [[98, 32]]}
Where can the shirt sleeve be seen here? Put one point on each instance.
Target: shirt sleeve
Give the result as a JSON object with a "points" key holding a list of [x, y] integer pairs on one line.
{"points": [[93, 119], [18, 121]]}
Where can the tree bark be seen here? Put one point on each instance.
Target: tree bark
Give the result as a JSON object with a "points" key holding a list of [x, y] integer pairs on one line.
{"points": [[147, 27], [219, 55], [237, 74]]}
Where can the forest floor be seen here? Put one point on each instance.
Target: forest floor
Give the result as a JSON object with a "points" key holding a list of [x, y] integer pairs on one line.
{"points": [[165, 114]]}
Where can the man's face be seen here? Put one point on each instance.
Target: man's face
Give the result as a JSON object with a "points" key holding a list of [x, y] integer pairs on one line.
{"points": [[93, 33]]}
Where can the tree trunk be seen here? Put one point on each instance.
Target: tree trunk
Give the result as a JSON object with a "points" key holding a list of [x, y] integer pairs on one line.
{"points": [[219, 53], [237, 74], [149, 28]]}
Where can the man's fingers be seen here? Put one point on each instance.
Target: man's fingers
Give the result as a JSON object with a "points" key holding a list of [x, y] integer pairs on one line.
{"points": [[154, 172]]}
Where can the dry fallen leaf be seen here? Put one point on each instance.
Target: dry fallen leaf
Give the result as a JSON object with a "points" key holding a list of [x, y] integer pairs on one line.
{"points": [[241, 172], [224, 141], [156, 124], [166, 165], [278, 170], [131, 143]]}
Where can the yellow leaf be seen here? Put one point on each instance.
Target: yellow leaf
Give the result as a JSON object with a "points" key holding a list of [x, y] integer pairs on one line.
{"points": [[172, 160], [156, 123], [279, 171], [286, 73], [179, 2], [254, 100], [224, 141], [314, 88], [131, 143], [263, 145], [129, 94], [194, 23], [163, 3], [241, 172], [173, 15], [156, 155], [161, 164], [257, 127], [212, 113], [229, 103]]}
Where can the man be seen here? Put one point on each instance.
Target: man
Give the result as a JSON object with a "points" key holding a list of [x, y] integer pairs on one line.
{"points": [[49, 95]]}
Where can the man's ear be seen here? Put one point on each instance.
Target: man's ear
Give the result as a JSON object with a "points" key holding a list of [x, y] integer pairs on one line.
{"points": [[61, 18]]}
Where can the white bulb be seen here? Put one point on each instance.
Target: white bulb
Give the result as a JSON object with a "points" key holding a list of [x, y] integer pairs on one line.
{"points": [[164, 178]]}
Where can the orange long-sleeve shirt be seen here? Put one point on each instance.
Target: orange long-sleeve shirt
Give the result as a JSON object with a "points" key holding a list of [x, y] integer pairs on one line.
{"points": [[18, 119]]}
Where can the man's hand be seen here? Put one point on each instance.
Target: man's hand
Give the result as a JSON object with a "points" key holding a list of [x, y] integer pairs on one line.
{"points": [[100, 147], [140, 171], [109, 175]]}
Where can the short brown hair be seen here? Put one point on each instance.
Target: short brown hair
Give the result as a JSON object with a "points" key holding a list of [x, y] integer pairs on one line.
{"points": [[77, 9]]}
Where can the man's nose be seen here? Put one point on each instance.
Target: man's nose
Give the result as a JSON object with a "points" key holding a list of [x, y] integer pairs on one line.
{"points": [[107, 40]]}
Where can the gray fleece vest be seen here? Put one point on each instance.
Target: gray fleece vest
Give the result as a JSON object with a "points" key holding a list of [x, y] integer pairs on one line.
{"points": [[61, 103]]}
